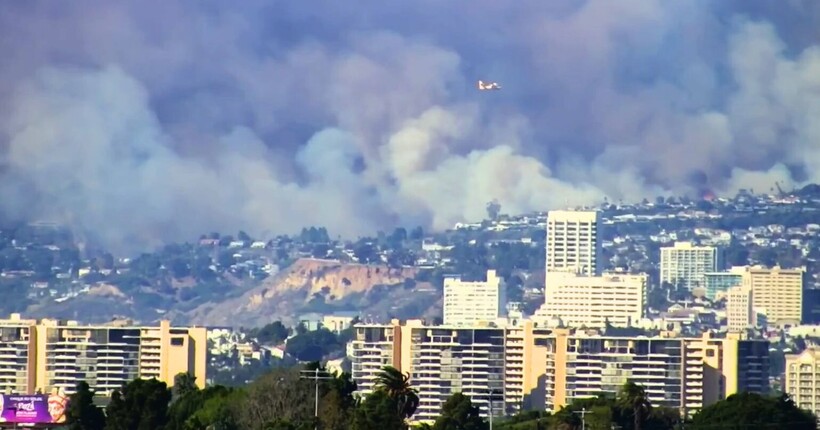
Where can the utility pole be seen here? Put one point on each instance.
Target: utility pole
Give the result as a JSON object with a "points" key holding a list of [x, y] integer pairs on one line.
{"points": [[583, 413], [316, 375], [490, 400]]}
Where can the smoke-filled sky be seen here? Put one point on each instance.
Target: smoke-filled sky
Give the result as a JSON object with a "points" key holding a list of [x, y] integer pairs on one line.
{"points": [[144, 121]]}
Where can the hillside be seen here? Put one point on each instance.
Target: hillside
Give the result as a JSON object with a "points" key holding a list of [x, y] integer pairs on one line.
{"points": [[312, 285]]}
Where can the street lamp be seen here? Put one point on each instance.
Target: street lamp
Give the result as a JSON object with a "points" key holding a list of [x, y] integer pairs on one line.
{"points": [[316, 375], [583, 413], [490, 394]]}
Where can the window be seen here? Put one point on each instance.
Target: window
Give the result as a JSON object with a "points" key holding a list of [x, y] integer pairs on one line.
{"points": [[177, 341]]}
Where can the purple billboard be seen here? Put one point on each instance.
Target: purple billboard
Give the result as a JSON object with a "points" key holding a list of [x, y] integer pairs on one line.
{"points": [[33, 408]]}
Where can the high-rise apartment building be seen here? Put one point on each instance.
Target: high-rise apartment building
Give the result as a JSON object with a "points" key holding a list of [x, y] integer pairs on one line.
{"points": [[777, 291], [592, 301], [803, 379], [58, 354], [740, 314], [682, 373], [573, 243], [686, 264], [522, 366], [17, 355], [471, 302], [443, 360]]}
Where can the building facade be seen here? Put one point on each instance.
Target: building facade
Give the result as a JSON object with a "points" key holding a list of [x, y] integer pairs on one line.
{"points": [[59, 354], [594, 301], [803, 379], [686, 264], [777, 291], [471, 302], [740, 314], [572, 242], [517, 365], [716, 283]]}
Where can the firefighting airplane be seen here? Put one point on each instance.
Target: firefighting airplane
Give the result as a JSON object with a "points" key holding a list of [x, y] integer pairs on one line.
{"points": [[488, 86]]}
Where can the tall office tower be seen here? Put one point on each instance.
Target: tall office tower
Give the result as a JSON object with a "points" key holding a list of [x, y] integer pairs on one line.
{"points": [[107, 356], [470, 302], [740, 313], [778, 291], [592, 301], [573, 243], [686, 264], [803, 379]]}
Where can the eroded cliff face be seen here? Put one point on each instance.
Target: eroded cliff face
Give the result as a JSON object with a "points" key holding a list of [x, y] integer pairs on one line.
{"points": [[283, 295], [330, 279]]}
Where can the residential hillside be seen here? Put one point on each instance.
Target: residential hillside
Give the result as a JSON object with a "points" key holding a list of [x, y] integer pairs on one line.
{"points": [[313, 285]]}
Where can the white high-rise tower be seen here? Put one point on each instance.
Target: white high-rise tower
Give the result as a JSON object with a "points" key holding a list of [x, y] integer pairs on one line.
{"points": [[573, 244]]}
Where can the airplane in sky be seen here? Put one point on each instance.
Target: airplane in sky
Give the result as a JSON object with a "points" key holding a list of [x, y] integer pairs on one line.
{"points": [[488, 86]]}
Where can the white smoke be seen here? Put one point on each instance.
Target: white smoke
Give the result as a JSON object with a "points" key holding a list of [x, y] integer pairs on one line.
{"points": [[147, 129]]}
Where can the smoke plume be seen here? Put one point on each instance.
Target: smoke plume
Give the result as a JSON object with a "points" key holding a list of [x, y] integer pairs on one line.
{"points": [[147, 121]]}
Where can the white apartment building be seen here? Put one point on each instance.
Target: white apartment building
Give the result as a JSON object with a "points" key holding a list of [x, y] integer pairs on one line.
{"points": [[592, 301], [803, 379], [573, 243], [686, 264], [471, 302], [740, 314], [778, 291], [373, 347]]}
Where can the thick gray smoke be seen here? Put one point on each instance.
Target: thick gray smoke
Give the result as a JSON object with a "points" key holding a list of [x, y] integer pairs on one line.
{"points": [[146, 121]]}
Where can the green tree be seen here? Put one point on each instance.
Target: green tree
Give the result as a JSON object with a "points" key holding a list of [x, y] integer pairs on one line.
{"points": [[142, 404], [378, 412], [397, 386], [219, 411], [632, 398], [272, 333], [750, 411], [459, 413], [277, 397], [186, 400], [184, 383], [82, 413]]}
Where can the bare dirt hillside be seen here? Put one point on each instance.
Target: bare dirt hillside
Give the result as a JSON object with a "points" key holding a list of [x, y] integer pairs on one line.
{"points": [[322, 286]]}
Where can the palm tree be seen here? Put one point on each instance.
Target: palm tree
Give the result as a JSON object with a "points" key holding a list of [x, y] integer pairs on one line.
{"points": [[633, 397], [397, 386]]}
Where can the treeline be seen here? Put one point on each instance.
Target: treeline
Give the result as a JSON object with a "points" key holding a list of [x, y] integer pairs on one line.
{"points": [[284, 400]]}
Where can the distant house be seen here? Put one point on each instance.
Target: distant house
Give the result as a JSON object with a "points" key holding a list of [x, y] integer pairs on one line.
{"points": [[311, 321]]}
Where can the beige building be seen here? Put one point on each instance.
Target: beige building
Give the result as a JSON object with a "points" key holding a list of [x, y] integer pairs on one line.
{"points": [[58, 354], [803, 379], [740, 314], [592, 301], [17, 355], [682, 373], [472, 302], [528, 367], [686, 264], [778, 291], [572, 242]]}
